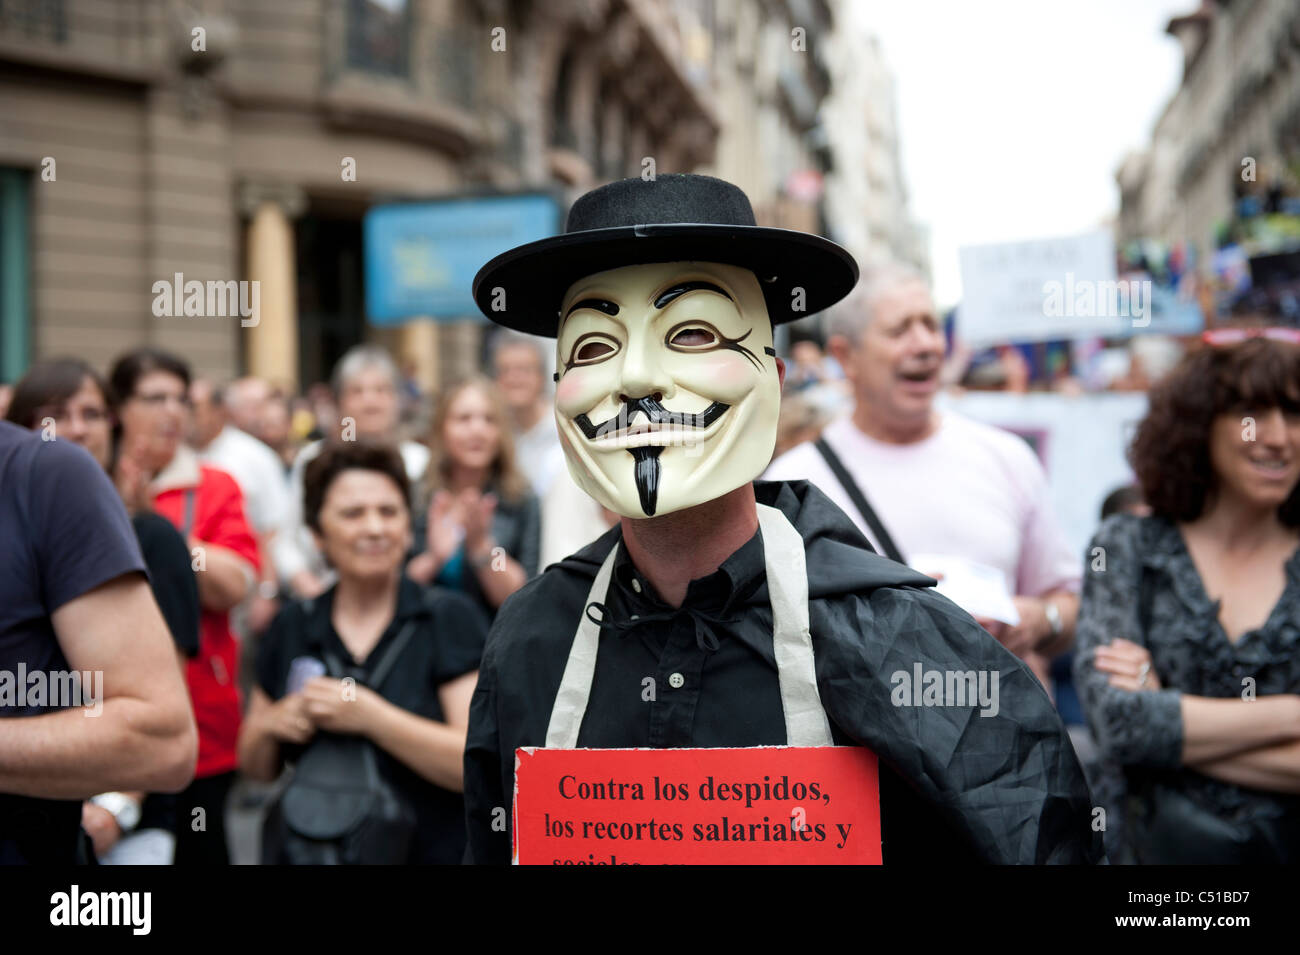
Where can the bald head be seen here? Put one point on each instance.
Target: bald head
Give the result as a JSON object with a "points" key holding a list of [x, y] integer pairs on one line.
{"points": [[209, 416], [245, 400], [851, 316]]}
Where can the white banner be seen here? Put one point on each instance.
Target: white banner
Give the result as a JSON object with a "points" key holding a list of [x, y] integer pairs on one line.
{"points": [[1045, 289], [1081, 442]]}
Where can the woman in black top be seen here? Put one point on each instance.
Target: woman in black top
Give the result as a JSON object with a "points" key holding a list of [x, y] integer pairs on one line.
{"points": [[1188, 661], [355, 502], [480, 531]]}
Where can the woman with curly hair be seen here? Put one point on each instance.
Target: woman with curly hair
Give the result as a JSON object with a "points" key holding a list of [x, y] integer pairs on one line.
{"points": [[1188, 660]]}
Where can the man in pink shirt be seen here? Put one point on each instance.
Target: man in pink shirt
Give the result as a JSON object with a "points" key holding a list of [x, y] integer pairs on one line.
{"points": [[943, 488]]}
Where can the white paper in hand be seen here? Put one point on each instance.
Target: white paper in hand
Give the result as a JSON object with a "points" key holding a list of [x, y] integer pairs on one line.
{"points": [[977, 588]]}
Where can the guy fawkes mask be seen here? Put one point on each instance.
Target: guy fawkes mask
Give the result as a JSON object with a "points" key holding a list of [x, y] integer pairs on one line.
{"points": [[668, 392]]}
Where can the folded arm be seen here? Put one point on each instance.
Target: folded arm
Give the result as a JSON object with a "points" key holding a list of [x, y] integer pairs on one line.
{"points": [[1274, 768], [224, 577], [1214, 729]]}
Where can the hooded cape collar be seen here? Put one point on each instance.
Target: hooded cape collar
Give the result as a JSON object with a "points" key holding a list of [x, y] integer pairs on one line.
{"points": [[838, 556]]}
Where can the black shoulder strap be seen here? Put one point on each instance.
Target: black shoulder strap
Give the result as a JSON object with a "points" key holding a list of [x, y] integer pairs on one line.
{"points": [[375, 678], [859, 501]]}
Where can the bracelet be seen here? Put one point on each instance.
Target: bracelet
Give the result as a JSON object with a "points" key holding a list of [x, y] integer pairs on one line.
{"points": [[478, 563]]}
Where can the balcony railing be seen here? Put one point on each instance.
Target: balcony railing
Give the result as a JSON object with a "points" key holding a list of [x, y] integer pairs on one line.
{"points": [[100, 36]]}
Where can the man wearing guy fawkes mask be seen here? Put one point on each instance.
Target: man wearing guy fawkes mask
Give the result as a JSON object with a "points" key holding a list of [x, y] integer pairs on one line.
{"points": [[757, 609]]}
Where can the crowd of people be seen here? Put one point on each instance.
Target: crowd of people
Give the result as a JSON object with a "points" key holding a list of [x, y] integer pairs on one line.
{"points": [[276, 530], [301, 549]]}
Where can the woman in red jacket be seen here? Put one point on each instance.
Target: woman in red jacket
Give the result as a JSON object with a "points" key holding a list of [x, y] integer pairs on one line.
{"points": [[154, 469]]}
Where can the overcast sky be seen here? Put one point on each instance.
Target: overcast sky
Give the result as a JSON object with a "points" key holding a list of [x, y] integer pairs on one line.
{"points": [[1015, 114]]}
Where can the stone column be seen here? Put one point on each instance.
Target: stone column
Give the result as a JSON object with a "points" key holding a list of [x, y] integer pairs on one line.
{"points": [[419, 344], [271, 346]]}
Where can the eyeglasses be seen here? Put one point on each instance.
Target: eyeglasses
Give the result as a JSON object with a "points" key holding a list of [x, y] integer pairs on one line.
{"points": [[1235, 336], [89, 416], [161, 399]]}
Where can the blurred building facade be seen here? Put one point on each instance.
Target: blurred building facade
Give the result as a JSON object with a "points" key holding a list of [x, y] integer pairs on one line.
{"points": [[1234, 120], [145, 140], [770, 79], [867, 202]]}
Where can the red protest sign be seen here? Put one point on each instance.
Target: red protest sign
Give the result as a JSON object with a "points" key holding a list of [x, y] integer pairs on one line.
{"points": [[766, 805]]}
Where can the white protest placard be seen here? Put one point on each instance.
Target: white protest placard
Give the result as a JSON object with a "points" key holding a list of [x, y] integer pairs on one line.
{"points": [[1081, 441], [1045, 289], [980, 590]]}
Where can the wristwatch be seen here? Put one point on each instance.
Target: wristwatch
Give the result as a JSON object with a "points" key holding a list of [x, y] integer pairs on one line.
{"points": [[121, 807], [268, 590], [1053, 614]]}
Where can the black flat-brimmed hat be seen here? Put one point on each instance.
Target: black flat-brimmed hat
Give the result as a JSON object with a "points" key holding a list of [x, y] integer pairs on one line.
{"points": [[672, 218]]}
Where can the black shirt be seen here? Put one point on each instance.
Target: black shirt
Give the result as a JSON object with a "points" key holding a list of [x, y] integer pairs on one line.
{"points": [[167, 557], [447, 645], [63, 532], [175, 588], [955, 785]]}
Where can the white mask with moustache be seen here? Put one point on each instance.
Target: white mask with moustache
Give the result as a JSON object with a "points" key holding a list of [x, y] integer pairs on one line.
{"points": [[668, 390]]}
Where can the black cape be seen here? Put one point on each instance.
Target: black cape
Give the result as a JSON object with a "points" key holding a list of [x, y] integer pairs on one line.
{"points": [[955, 785]]}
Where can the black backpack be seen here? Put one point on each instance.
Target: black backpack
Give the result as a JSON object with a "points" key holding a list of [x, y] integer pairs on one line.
{"points": [[338, 809]]}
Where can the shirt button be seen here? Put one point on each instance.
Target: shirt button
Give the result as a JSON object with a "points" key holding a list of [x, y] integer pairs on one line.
{"points": [[636, 585], [676, 681]]}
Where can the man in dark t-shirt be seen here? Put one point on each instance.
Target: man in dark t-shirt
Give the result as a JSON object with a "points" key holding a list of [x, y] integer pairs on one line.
{"points": [[74, 599]]}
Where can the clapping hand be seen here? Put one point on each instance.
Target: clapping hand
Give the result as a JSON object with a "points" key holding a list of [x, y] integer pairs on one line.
{"points": [[446, 530], [132, 477], [477, 512]]}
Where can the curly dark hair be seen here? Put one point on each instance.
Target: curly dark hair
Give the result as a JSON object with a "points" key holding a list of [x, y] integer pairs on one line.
{"points": [[338, 456], [1170, 452]]}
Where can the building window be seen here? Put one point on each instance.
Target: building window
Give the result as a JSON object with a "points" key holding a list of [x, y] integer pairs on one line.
{"points": [[15, 273], [378, 36], [34, 19]]}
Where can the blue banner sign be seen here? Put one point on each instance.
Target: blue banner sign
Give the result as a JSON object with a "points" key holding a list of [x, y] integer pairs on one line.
{"points": [[421, 257]]}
